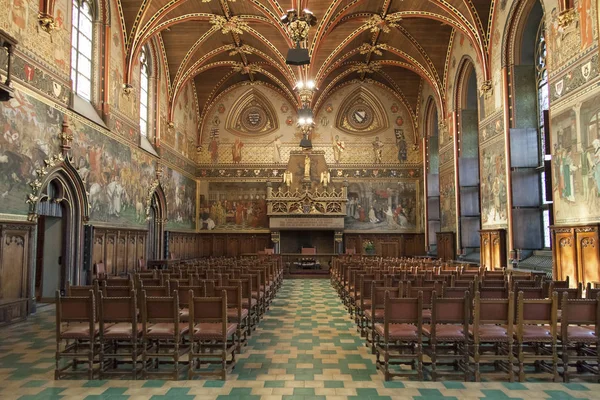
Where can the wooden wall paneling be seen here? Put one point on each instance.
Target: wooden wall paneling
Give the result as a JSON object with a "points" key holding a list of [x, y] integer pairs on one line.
{"points": [[565, 254], [205, 246], [15, 270], [233, 246], [131, 252], [446, 245], [353, 243], [141, 248], [485, 249], [218, 249], [248, 244], [110, 252], [121, 253], [588, 255], [389, 249], [98, 247], [262, 242], [14, 263]]}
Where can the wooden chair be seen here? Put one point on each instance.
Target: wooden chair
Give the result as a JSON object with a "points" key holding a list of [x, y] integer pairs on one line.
{"points": [[76, 333], [536, 335], [591, 292], [492, 335], [162, 334], [212, 336], [236, 313], [428, 293], [401, 331], [248, 303], [366, 290], [376, 313], [119, 334], [448, 336], [580, 338], [99, 271]]}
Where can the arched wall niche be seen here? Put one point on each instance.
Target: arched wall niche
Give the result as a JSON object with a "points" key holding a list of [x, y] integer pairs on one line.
{"points": [[156, 215]]}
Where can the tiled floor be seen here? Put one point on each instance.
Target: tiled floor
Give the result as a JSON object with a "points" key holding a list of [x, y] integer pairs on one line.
{"points": [[306, 348]]}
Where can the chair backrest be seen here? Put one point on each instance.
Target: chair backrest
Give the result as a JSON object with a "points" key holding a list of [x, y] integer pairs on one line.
{"points": [[494, 311], [76, 308], [99, 269], [142, 264], [533, 292], [590, 291], [81, 290], [570, 293], [118, 309], [161, 309], [580, 312], [246, 286], [428, 292], [450, 310], [456, 291], [403, 310], [116, 291], [493, 292], [184, 294], [234, 295], [378, 294], [208, 310], [531, 311]]}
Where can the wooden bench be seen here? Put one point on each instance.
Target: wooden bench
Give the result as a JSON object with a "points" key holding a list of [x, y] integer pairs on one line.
{"points": [[12, 310]]}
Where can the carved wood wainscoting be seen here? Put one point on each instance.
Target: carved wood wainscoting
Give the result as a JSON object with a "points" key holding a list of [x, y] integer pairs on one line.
{"points": [[493, 248], [192, 245], [119, 249], [15, 270], [446, 245], [576, 253], [388, 245]]}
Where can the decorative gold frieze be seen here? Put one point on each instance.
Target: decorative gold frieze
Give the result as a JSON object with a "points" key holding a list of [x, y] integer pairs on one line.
{"points": [[318, 202]]}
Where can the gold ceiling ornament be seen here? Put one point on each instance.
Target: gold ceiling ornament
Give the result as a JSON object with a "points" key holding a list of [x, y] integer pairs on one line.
{"points": [[246, 69], [368, 48], [243, 49], [232, 25], [487, 89], [366, 68], [567, 17], [378, 24]]}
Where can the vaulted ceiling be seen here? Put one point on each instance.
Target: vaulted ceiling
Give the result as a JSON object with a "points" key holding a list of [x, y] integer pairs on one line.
{"points": [[402, 44]]}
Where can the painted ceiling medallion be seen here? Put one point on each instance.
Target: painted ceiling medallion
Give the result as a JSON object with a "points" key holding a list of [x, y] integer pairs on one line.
{"points": [[252, 114], [361, 113]]}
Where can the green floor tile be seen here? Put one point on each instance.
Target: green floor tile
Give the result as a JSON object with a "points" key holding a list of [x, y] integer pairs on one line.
{"points": [[214, 384], [154, 384], [274, 384], [334, 384]]}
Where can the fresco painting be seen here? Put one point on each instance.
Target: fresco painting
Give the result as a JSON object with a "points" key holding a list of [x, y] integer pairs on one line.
{"points": [[576, 163], [447, 201], [116, 177], [29, 136], [382, 206], [493, 191], [234, 206], [180, 192]]}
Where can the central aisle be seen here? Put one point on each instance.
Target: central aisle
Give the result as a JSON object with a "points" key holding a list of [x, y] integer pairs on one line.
{"points": [[307, 346]]}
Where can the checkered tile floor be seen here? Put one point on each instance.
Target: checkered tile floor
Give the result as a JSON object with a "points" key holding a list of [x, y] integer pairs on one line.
{"points": [[306, 348]]}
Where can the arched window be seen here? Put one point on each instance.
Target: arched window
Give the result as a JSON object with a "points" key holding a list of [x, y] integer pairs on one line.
{"points": [[144, 91], [543, 105], [81, 49]]}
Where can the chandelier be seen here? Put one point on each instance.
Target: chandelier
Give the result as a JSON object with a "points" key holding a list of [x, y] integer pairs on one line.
{"points": [[306, 91], [297, 25]]}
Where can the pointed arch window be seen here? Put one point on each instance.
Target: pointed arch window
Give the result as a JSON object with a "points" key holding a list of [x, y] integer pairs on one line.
{"points": [[543, 96], [144, 91], [81, 49]]}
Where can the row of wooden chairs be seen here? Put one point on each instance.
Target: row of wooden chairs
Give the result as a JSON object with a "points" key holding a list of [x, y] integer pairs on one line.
{"points": [[502, 339], [148, 325]]}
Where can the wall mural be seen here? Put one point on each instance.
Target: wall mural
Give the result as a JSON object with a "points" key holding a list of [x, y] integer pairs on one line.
{"points": [[383, 206], [447, 201], [180, 192], [117, 177], [493, 191], [29, 136], [233, 206], [576, 162]]}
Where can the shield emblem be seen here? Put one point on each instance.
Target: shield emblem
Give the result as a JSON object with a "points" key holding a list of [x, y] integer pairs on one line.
{"points": [[56, 89], [360, 116], [559, 87], [253, 118], [586, 70]]}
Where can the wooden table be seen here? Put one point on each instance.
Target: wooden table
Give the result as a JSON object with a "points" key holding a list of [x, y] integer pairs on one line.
{"points": [[162, 264]]}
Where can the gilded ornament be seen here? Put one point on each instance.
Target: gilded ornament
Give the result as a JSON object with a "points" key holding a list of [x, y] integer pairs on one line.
{"points": [[368, 48], [567, 17], [487, 89], [232, 25], [376, 23], [47, 22]]}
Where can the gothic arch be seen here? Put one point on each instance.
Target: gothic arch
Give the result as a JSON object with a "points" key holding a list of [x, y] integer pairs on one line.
{"points": [[156, 215], [74, 200]]}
